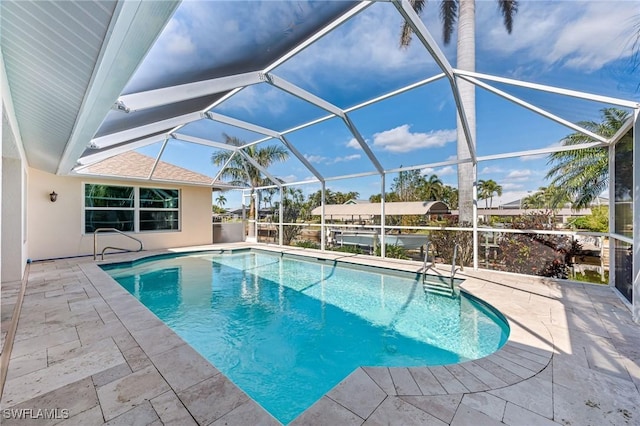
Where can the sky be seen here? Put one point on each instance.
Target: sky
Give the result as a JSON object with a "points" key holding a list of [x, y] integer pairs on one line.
{"points": [[579, 45]]}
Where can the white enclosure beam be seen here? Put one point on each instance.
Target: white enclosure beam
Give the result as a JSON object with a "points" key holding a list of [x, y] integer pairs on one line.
{"points": [[155, 163], [535, 109], [428, 165], [352, 176], [302, 158], [635, 259], [541, 151], [142, 131], [363, 144], [323, 223], [396, 92], [355, 107], [550, 89], [224, 166], [281, 218], [202, 141], [420, 30], [87, 160], [241, 124], [383, 221], [626, 126], [257, 165], [319, 34], [168, 95], [300, 93]]}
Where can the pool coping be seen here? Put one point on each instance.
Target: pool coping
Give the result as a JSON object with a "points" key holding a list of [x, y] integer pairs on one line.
{"points": [[368, 392]]}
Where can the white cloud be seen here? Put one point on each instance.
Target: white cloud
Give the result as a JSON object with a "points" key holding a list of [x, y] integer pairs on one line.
{"points": [[258, 99], [400, 139], [353, 143], [577, 35], [518, 175], [289, 178], [443, 171], [511, 186], [346, 158], [491, 169], [319, 159], [178, 40], [315, 158]]}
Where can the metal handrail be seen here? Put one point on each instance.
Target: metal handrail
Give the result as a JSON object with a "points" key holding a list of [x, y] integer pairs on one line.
{"points": [[453, 263], [424, 263], [95, 242]]}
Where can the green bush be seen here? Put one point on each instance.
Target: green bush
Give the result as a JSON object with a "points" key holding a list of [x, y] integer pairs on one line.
{"points": [[348, 249], [597, 221], [393, 252], [307, 244]]}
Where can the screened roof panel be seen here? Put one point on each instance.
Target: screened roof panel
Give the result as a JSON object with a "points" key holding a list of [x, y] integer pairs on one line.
{"points": [[289, 170], [269, 107], [241, 36], [518, 177], [194, 157], [215, 131], [572, 109], [360, 60], [413, 128], [578, 45], [331, 148], [504, 127], [117, 121]]}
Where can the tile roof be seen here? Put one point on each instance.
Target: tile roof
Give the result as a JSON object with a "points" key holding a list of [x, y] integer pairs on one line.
{"points": [[132, 164]]}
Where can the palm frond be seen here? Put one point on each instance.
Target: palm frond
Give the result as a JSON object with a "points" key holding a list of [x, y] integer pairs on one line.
{"points": [[407, 31], [509, 8], [449, 16]]}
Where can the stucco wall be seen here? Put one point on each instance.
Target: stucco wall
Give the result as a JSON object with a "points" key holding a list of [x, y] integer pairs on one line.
{"points": [[55, 229], [14, 251]]}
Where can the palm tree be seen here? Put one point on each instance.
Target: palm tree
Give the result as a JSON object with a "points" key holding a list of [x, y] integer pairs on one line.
{"points": [[241, 172], [533, 201], [464, 12], [487, 189], [583, 174], [432, 188], [221, 199]]}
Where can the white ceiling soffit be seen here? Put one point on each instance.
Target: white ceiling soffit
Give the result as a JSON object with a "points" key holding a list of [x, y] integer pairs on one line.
{"points": [[66, 63]]}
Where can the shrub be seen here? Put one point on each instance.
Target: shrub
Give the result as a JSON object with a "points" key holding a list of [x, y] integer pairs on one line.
{"points": [[307, 244], [393, 252], [445, 241], [536, 254], [348, 249]]}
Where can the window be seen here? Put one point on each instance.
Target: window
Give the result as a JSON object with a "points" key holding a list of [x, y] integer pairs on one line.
{"points": [[158, 209], [130, 209]]}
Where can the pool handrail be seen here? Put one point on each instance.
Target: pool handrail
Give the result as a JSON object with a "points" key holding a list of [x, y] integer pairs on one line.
{"points": [[95, 242]]}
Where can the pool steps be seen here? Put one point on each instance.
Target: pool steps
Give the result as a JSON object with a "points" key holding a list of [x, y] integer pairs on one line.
{"points": [[447, 288]]}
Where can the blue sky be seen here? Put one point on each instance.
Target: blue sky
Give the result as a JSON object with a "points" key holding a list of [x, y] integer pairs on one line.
{"points": [[578, 45]]}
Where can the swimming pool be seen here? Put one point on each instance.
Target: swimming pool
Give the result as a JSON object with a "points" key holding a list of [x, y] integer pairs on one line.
{"points": [[286, 330]]}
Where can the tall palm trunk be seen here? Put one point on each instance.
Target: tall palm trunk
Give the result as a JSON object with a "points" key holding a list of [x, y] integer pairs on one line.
{"points": [[466, 61]]}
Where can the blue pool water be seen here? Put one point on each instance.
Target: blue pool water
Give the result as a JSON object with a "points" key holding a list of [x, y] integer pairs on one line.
{"points": [[286, 330]]}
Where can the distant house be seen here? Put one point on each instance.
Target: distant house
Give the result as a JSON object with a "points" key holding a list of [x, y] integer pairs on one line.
{"points": [[365, 212]]}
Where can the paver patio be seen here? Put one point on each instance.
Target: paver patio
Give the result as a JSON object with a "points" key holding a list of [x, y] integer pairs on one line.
{"points": [[84, 344]]}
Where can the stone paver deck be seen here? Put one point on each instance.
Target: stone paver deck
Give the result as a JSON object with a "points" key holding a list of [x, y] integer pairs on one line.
{"points": [[88, 348]]}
